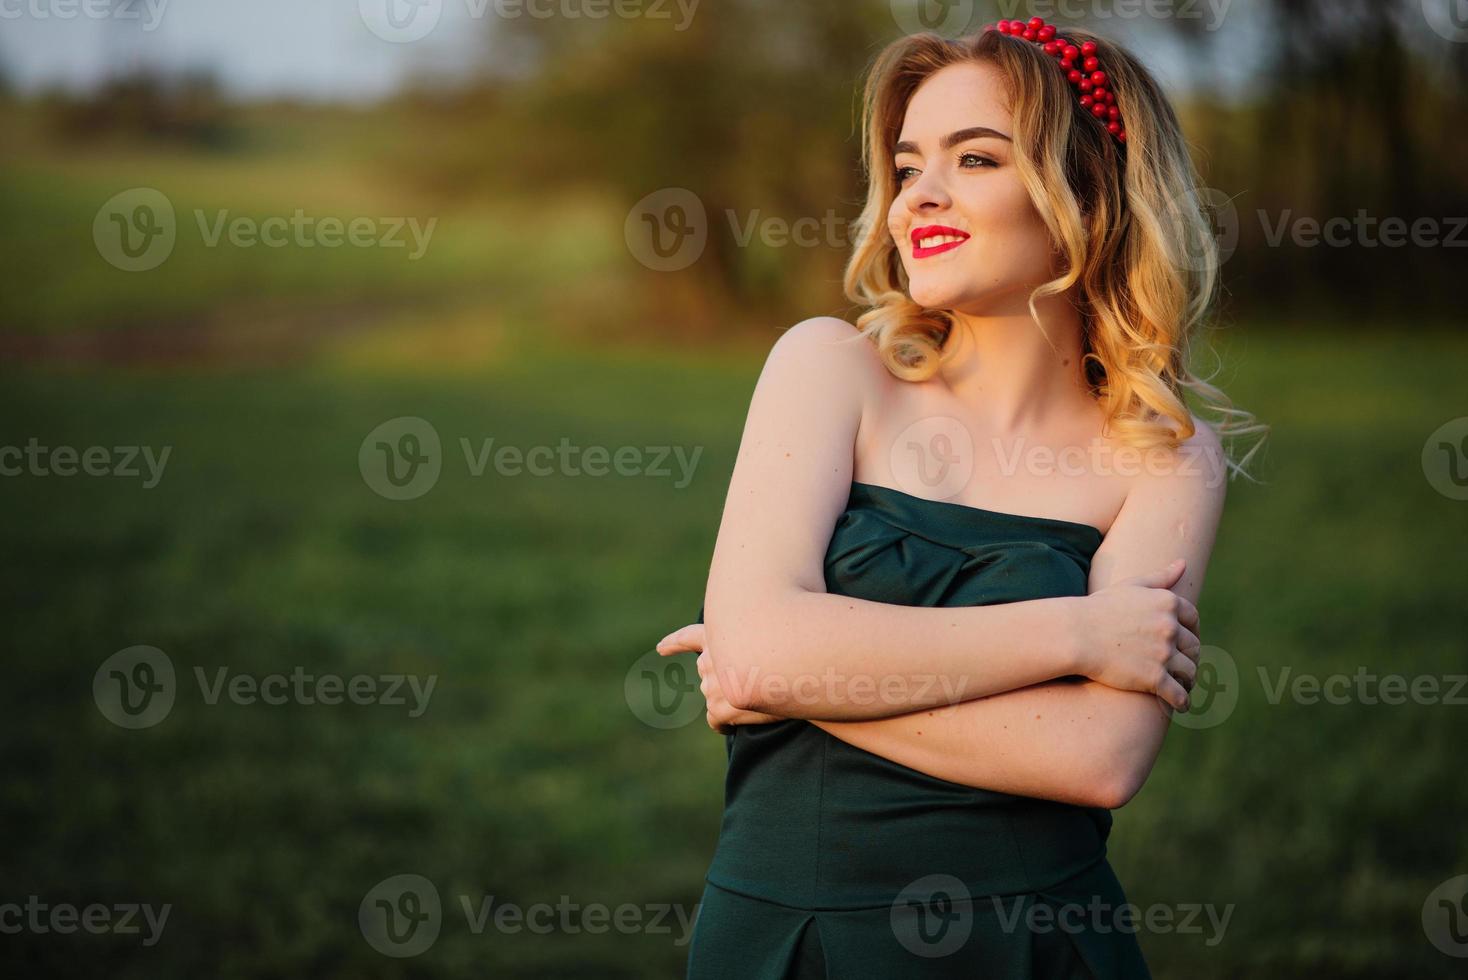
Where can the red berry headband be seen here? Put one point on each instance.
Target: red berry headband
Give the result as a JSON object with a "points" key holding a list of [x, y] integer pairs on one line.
{"points": [[1080, 64]]}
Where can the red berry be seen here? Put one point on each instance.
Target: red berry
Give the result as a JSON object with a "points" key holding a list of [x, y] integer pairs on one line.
{"points": [[1072, 52], [1113, 127], [1099, 77], [1051, 48], [1121, 136], [1098, 110], [1086, 101], [1028, 34], [1075, 77], [1113, 112], [1088, 48], [1092, 64], [1086, 85], [1036, 23], [1047, 32]]}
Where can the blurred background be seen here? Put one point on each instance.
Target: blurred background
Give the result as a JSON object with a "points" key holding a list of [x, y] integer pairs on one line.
{"points": [[370, 378]]}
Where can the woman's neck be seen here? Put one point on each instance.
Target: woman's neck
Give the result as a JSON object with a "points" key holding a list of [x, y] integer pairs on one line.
{"points": [[1008, 373]]}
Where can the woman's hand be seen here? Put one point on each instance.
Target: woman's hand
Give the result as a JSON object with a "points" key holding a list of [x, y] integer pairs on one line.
{"points": [[1141, 636], [721, 715]]}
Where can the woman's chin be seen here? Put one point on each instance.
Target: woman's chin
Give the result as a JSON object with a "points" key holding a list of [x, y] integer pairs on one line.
{"points": [[934, 295]]}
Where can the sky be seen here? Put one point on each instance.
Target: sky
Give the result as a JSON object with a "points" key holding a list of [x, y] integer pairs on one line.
{"points": [[312, 49], [350, 50]]}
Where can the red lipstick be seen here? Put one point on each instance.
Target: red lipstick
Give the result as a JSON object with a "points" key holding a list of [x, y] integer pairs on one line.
{"points": [[929, 231]]}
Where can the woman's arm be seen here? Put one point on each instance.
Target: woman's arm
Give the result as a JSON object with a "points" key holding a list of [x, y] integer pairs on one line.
{"points": [[777, 636], [1082, 743]]}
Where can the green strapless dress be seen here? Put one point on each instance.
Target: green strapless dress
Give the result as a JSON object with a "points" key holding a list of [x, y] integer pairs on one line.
{"points": [[835, 862]]}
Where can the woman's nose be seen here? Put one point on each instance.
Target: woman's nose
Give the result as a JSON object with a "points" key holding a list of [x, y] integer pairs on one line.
{"points": [[927, 193]]}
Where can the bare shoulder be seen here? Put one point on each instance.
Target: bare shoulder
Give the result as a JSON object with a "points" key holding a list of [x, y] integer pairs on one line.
{"points": [[832, 354], [1191, 478], [829, 340]]}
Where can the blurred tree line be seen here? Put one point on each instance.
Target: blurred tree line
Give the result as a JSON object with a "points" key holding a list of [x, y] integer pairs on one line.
{"points": [[1354, 115]]}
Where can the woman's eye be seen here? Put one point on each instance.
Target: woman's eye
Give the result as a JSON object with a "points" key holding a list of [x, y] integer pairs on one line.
{"points": [[967, 161]]}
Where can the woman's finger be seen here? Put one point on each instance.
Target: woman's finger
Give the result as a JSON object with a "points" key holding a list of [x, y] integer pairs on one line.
{"points": [[1183, 670], [1189, 644], [689, 639], [1172, 692]]}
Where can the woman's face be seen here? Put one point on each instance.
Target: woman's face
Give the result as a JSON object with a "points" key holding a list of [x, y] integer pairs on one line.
{"points": [[969, 237]]}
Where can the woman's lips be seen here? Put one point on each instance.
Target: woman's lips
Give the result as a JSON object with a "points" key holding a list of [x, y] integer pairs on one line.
{"points": [[940, 238]]}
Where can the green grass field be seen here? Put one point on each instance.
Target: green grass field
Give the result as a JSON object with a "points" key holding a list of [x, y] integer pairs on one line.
{"points": [[262, 550], [528, 777]]}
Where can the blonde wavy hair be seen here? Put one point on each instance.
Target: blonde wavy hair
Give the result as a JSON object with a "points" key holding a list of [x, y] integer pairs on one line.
{"points": [[1126, 220]]}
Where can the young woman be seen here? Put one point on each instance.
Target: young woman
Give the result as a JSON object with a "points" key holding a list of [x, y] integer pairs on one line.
{"points": [[952, 601]]}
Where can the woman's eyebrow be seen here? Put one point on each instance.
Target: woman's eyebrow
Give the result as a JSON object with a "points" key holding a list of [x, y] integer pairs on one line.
{"points": [[953, 139]]}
